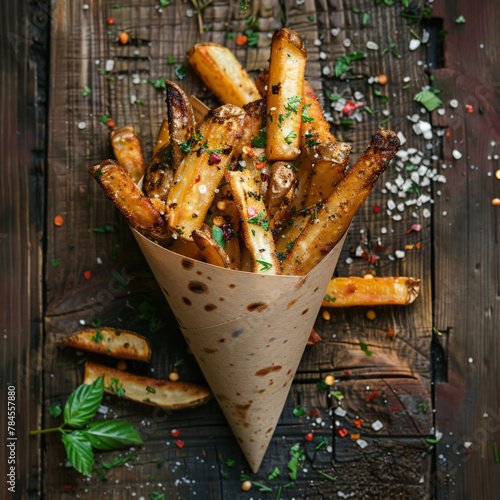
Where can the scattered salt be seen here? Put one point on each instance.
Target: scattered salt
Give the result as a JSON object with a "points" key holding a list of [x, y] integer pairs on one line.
{"points": [[340, 412], [377, 425], [372, 45], [454, 103], [335, 31], [361, 443], [347, 42], [456, 154], [399, 254], [82, 125], [414, 44]]}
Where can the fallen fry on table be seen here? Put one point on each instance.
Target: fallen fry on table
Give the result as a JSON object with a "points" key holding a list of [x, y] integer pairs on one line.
{"points": [[222, 74], [334, 215], [114, 342], [347, 292], [163, 393], [128, 198], [127, 150]]}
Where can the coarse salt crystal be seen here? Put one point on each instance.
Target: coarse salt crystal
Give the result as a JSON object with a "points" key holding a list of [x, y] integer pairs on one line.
{"points": [[110, 64], [371, 45], [383, 230], [377, 425], [202, 188], [82, 125], [326, 70], [361, 443], [396, 217], [456, 154], [414, 44], [322, 55], [471, 360], [347, 42], [335, 31], [317, 42], [82, 322], [348, 260], [401, 137], [454, 103], [467, 444], [399, 254], [426, 213], [441, 111], [340, 412], [391, 205]]}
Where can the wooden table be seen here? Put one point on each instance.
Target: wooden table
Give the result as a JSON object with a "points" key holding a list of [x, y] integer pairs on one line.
{"points": [[439, 370]]}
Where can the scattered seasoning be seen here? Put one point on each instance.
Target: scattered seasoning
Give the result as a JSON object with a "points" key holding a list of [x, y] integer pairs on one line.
{"points": [[461, 20], [423, 406], [173, 376], [428, 99], [180, 71], [309, 436], [495, 202], [364, 348], [371, 315], [241, 40], [495, 451], [342, 432], [87, 274], [382, 79], [110, 122], [124, 38], [246, 485], [262, 487], [110, 20], [179, 443], [357, 422], [54, 262], [343, 64], [329, 380], [326, 315], [58, 220], [338, 395], [150, 389], [174, 433], [373, 395], [299, 411], [55, 410], [331, 478]]}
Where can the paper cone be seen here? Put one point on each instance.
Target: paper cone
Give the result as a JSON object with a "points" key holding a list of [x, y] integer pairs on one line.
{"points": [[247, 331]]}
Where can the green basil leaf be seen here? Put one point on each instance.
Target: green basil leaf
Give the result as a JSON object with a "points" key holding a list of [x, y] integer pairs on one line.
{"points": [[79, 452], [218, 236], [111, 434], [83, 403]]}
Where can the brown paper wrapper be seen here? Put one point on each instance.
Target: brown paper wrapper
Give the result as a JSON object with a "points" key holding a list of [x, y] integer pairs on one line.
{"points": [[247, 331]]}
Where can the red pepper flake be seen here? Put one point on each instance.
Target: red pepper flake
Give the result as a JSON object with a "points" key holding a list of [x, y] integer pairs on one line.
{"points": [[417, 245], [372, 258], [264, 177], [129, 474], [197, 178], [364, 255], [347, 372], [350, 107], [179, 443], [252, 212], [376, 209], [67, 487], [374, 394], [314, 414], [111, 122], [110, 20], [58, 220], [309, 437], [394, 409], [357, 422], [390, 333], [342, 432], [260, 165], [111, 476], [469, 109], [468, 452], [175, 433], [87, 275], [214, 159], [414, 227]]}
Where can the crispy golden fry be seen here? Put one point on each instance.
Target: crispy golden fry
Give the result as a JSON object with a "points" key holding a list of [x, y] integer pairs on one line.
{"points": [[334, 216], [284, 96], [128, 198], [246, 260], [180, 121], [186, 248], [252, 125], [304, 170], [202, 170], [160, 174], [262, 82], [281, 181], [160, 205], [346, 292], [127, 150], [255, 221], [284, 212], [222, 74], [211, 250], [286, 239], [328, 170], [163, 136], [113, 342], [162, 393], [313, 121]]}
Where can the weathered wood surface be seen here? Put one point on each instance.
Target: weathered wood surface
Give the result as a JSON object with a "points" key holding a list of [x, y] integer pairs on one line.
{"points": [[397, 460], [22, 195]]}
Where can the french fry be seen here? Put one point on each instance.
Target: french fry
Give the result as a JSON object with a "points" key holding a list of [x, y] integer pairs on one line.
{"points": [[252, 125], [163, 136], [304, 167], [222, 74], [180, 121], [212, 251], [186, 248], [160, 174], [128, 198], [286, 239], [281, 180], [163, 393], [313, 120], [331, 161], [202, 170], [261, 82], [246, 260], [284, 96], [347, 292], [283, 213], [334, 216], [113, 342], [255, 229], [127, 150]]}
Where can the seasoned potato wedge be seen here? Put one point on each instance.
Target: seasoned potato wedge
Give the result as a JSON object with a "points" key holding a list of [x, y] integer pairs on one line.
{"points": [[113, 342], [255, 229], [313, 120], [330, 162], [304, 166], [284, 96], [281, 181], [346, 292], [180, 121], [334, 216], [211, 250], [128, 198], [160, 174], [163, 136], [292, 230], [262, 82], [222, 74], [252, 125], [284, 212], [163, 393], [127, 150], [202, 170]]}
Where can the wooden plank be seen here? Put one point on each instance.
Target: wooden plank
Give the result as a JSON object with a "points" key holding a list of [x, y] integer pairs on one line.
{"points": [[466, 249], [22, 132]]}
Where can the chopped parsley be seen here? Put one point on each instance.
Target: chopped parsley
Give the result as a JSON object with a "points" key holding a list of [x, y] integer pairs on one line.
{"points": [[186, 147], [265, 265], [150, 389], [311, 139], [305, 114], [343, 64], [97, 337], [116, 388], [428, 99], [291, 135], [330, 299], [293, 104], [260, 220], [260, 140], [297, 456], [180, 71]]}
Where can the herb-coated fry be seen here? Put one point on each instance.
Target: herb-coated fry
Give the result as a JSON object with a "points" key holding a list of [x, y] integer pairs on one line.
{"points": [[127, 150], [155, 392], [211, 250], [255, 229], [313, 120], [202, 170], [128, 198], [113, 342], [160, 174], [284, 96], [335, 214], [346, 292], [284, 211], [292, 230], [222, 74], [281, 181], [252, 125]]}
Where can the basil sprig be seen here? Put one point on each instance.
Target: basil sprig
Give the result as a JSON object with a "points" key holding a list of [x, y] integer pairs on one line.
{"points": [[80, 408]]}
